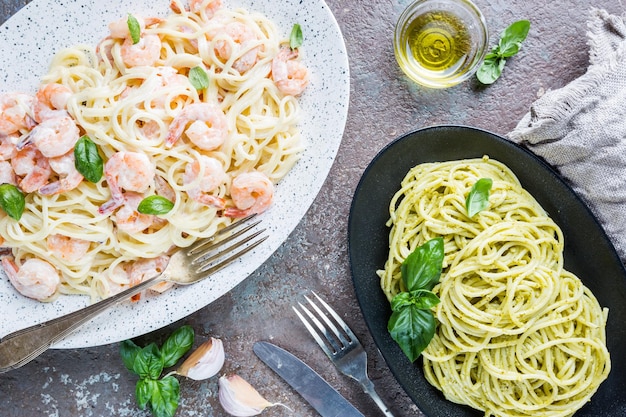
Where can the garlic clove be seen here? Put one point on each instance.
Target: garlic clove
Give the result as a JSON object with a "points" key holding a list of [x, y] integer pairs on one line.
{"points": [[205, 361], [239, 398]]}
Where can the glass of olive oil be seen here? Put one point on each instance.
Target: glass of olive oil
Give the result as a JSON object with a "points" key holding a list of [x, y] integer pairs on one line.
{"points": [[440, 43]]}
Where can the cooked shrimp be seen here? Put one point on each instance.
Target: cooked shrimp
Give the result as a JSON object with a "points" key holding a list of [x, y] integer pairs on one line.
{"points": [[53, 137], [32, 167], [67, 248], [119, 28], [168, 80], [51, 102], [115, 280], [14, 108], [69, 177], [123, 276], [7, 175], [144, 269], [131, 171], [128, 219], [35, 278], [208, 129], [146, 52], [208, 7], [252, 192], [238, 41], [207, 174], [7, 146], [163, 188], [290, 76]]}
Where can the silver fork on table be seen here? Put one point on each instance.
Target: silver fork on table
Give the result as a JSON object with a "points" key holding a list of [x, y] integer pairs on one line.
{"points": [[341, 346], [186, 266]]}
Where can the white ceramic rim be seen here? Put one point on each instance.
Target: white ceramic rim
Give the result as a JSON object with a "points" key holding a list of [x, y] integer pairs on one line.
{"points": [[28, 41]]}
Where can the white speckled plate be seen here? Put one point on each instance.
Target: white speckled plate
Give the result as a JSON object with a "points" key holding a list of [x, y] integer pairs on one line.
{"points": [[28, 42]]}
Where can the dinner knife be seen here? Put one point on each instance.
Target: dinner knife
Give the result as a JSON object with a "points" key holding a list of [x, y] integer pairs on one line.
{"points": [[312, 387]]}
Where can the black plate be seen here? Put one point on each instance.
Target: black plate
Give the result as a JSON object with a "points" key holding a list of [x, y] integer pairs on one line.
{"points": [[588, 252]]}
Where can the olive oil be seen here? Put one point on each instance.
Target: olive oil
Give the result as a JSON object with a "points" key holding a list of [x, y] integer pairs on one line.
{"points": [[435, 46], [438, 40]]}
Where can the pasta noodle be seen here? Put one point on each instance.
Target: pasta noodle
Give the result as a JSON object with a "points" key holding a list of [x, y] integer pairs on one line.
{"points": [[517, 334], [125, 106]]}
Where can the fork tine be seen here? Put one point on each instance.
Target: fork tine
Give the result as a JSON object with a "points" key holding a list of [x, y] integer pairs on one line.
{"points": [[328, 334], [313, 332], [207, 267], [203, 256], [329, 323], [338, 319], [210, 243]]}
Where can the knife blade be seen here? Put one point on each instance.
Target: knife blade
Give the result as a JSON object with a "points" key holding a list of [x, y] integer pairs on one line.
{"points": [[312, 387]]}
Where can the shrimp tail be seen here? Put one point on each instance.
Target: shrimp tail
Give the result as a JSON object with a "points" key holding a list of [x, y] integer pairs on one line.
{"points": [[176, 130], [9, 267], [58, 187], [211, 200], [110, 206], [24, 141], [177, 8], [236, 213]]}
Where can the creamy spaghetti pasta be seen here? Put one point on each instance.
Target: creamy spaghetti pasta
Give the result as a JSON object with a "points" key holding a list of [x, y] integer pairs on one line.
{"points": [[125, 105], [517, 335]]}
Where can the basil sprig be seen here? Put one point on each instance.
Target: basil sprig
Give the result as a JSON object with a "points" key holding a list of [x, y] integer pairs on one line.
{"points": [[478, 197], [134, 28], [198, 78], [412, 324], [510, 43], [12, 201], [155, 204], [296, 38], [160, 395], [87, 159]]}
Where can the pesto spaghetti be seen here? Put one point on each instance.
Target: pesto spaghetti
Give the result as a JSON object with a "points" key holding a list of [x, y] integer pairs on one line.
{"points": [[517, 334]]}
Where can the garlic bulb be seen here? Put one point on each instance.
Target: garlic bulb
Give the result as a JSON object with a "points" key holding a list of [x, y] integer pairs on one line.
{"points": [[205, 361], [239, 398]]}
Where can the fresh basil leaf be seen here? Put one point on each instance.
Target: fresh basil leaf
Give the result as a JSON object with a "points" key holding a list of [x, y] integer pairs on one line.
{"points": [[401, 300], [143, 392], [512, 38], [198, 78], [134, 28], [422, 299], [128, 352], [155, 204], [412, 328], [421, 270], [165, 397], [492, 55], [176, 345], [478, 198], [12, 201], [87, 159], [148, 362], [490, 70], [508, 45], [296, 38]]}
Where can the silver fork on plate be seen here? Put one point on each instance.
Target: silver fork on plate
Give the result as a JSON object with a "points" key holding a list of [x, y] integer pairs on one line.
{"points": [[186, 266], [341, 346]]}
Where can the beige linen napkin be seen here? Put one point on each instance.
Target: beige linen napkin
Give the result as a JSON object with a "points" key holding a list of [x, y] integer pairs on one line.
{"points": [[580, 129]]}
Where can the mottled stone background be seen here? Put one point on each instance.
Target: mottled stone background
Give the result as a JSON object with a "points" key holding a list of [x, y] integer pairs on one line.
{"points": [[384, 104]]}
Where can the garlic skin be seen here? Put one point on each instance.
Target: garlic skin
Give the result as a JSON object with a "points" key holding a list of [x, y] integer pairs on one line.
{"points": [[204, 362], [239, 398]]}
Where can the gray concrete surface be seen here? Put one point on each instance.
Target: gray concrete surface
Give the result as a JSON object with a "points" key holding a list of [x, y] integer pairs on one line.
{"points": [[383, 105]]}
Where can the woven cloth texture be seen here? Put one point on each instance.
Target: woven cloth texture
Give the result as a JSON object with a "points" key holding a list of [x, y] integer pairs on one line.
{"points": [[580, 129]]}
